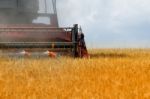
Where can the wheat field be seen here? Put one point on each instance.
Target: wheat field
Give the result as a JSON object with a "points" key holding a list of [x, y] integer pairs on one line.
{"points": [[108, 74]]}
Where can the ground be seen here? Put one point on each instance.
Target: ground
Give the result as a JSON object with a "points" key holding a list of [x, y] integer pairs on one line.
{"points": [[108, 74]]}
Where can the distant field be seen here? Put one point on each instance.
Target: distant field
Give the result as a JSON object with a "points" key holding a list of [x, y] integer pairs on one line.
{"points": [[108, 74]]}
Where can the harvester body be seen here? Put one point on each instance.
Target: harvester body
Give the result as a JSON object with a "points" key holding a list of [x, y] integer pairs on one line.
{"points": [[33, 24]]}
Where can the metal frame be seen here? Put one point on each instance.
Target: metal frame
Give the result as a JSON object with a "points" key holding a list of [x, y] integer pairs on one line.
{"points": [[36, 44], [70, 45], [75, 40]]}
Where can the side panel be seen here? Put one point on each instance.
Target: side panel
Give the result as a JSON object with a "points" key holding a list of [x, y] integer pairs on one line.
{"points": [[33, 34]]}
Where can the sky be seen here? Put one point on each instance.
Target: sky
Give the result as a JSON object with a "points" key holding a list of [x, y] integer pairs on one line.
{"points": [[109, 23]]}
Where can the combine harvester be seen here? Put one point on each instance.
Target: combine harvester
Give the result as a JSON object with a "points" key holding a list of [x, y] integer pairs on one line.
{"points": [[30, 27]]}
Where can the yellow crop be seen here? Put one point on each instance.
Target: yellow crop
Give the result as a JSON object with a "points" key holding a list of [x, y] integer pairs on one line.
{"points": [[108, 74]]}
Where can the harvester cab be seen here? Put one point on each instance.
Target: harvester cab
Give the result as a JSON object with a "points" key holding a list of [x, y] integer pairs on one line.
{"points": [[32, 26]]}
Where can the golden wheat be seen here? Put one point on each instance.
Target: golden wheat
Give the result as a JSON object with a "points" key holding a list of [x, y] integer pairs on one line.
{"points": [[108, 74]]}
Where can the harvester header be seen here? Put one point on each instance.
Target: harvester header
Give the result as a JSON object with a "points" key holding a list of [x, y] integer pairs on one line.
{"points": [[32, 25]]}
